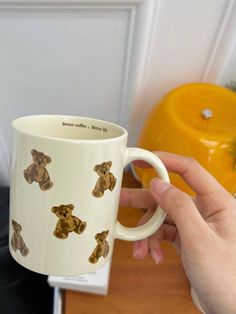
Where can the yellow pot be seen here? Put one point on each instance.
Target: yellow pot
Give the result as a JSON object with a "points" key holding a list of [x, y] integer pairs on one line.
{"points": [[197, 120]]}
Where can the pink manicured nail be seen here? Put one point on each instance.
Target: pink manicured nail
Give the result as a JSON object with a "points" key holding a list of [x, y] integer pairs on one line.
{"points": [[155, 256], [136, 246], [136, 253], [158, 186]]}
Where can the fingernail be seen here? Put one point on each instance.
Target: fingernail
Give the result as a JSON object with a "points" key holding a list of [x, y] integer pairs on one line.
{"points": [[159, 186], [155, 256], [136, 247], [136, 255]]}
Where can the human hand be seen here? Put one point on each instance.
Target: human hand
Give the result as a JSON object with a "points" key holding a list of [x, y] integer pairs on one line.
{"points": [[203, 230]]}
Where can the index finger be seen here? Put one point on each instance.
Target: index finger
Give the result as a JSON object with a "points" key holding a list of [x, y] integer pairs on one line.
{"points": [[201, 181]]}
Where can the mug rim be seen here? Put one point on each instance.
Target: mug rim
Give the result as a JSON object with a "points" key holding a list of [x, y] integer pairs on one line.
{"points": [[15, 125]]}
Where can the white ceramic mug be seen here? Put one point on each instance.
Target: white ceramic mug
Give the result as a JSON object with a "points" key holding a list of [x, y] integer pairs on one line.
{"points": [[66, 175]]}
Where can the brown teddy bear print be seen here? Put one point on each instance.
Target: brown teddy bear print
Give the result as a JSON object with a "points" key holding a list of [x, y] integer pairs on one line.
{"points": [[17, 241], [37, 170], [102, 247], [67, 222], [106, 179]]}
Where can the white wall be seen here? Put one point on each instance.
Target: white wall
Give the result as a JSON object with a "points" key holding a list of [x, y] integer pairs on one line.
{"points": [[191, 41], [107, 59]]}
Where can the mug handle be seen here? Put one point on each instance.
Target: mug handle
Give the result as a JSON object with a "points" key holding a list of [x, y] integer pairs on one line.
{"points": [[150, 227]]}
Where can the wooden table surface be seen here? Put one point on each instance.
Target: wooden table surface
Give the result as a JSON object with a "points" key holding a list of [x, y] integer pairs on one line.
{"points": [[137, 287]]}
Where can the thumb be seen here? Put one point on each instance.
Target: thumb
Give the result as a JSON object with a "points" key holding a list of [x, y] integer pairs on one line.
{"points": [[180, 207]]}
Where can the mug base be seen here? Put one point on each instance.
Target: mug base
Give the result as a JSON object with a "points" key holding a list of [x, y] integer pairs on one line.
{"points": [[65, 273]]}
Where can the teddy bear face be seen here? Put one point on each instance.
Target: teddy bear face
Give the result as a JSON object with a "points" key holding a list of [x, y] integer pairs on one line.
{"points": [[16, 227], [63, 211], [101, 237], [39, 159], [103, 168]]}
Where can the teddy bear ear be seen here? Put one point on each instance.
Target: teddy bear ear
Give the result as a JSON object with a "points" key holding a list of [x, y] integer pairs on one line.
{"points": [[97, 236], [48, 159], [109, 163], [71, 206], [107, 231], [33, 152], [95, 168], [54, 209]]}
